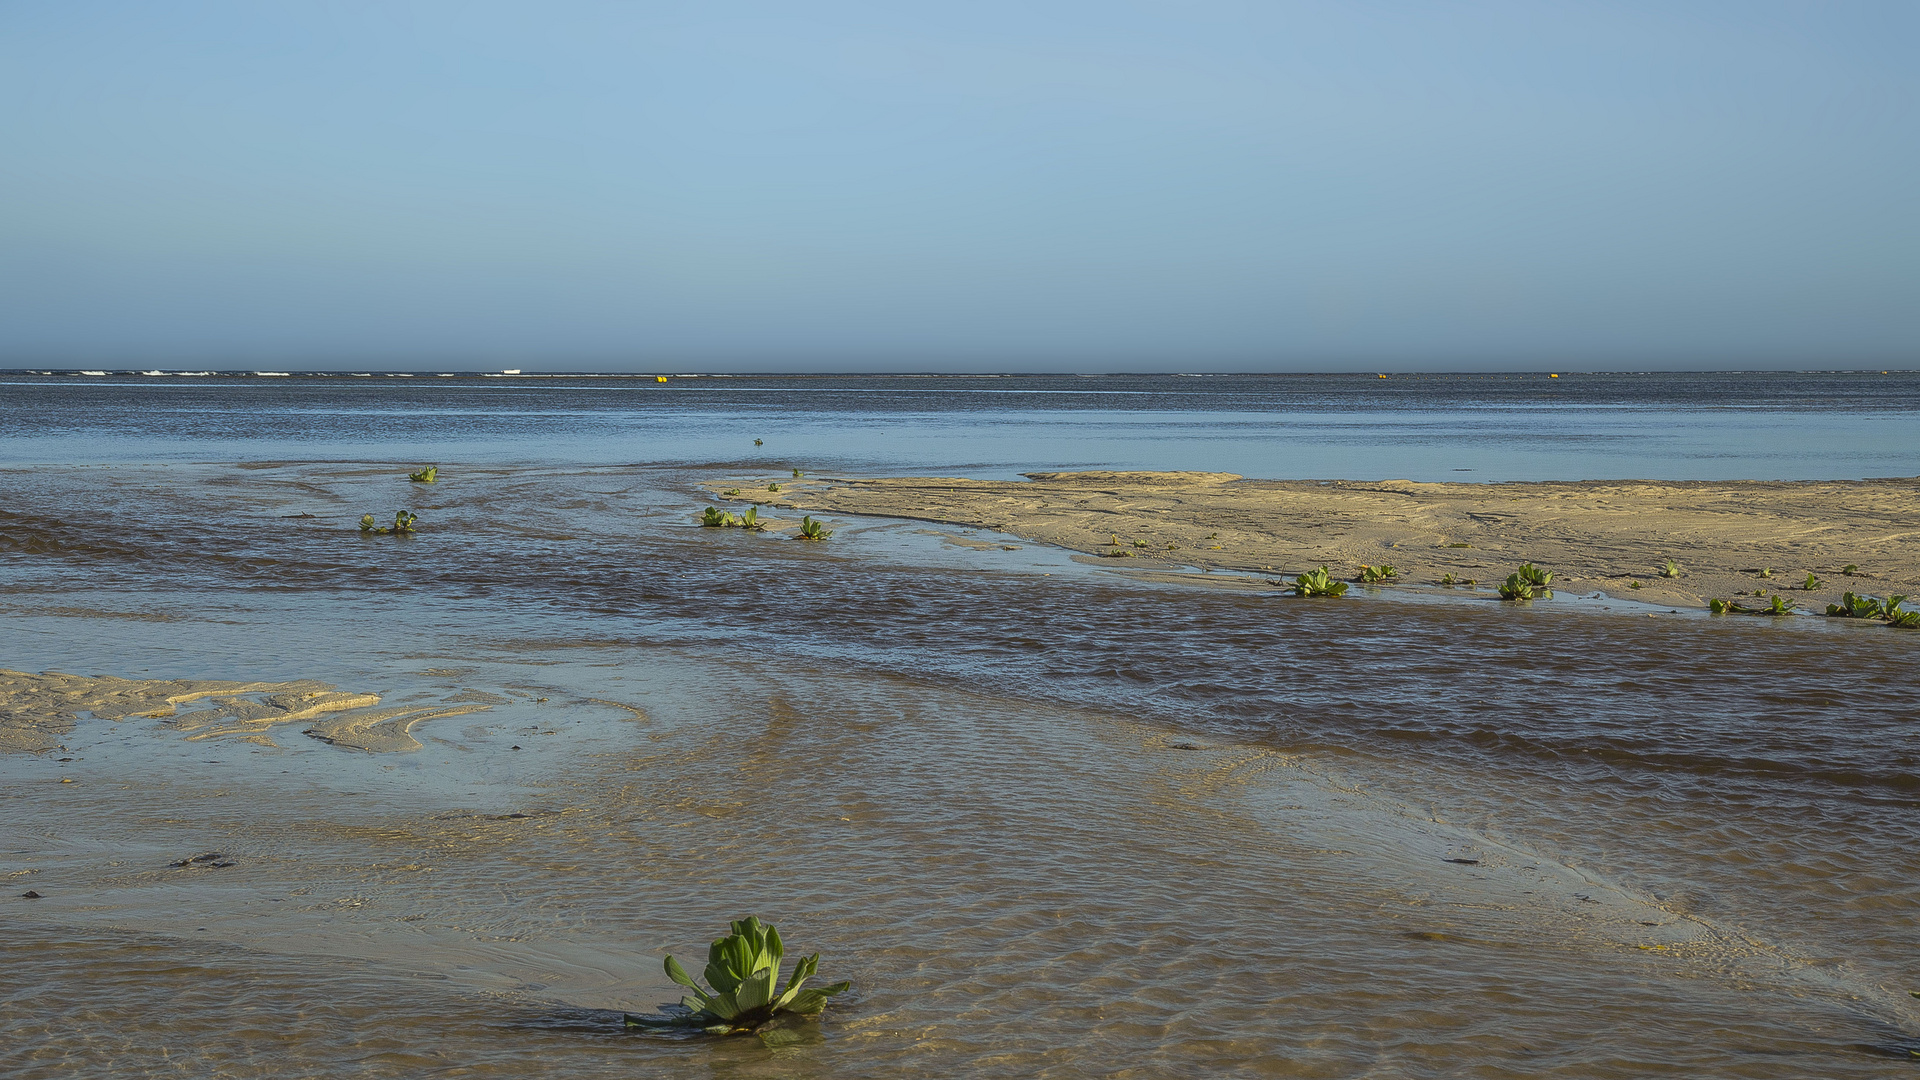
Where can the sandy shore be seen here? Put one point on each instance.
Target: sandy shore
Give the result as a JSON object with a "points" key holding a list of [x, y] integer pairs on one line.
{"points": [[1597, 536]]}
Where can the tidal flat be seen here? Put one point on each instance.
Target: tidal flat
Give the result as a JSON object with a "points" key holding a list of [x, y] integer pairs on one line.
{"points": [[296, 800]]}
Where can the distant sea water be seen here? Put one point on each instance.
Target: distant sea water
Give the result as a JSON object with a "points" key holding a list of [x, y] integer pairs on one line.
{"points": [[1474, 427], [1050, 821]]}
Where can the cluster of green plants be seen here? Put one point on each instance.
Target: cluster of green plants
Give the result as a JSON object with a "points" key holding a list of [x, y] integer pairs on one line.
{"points": [[1318, 583], [1449, 581], [426, 474], [1778, 605], [402, 523], [1370, 575], [743, 991], [812, 530], [1527, 583], [1855, 606], [715, 518]]}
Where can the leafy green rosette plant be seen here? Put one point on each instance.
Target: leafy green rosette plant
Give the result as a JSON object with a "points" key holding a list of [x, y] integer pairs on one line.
{"points": [[1527, 583], [1855, 606], [402, 523], [1318, 583], [426, 475], [1779, 605], [1370, 575], [743, 983], [813, 530], [1670, 569]]}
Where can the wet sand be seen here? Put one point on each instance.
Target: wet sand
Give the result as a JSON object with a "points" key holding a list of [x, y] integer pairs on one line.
{"points": [[1611, 536], [1049, 822]]}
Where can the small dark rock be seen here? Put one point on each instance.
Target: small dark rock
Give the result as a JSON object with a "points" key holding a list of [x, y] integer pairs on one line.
{"points": [[29, 895], [516, 748]]}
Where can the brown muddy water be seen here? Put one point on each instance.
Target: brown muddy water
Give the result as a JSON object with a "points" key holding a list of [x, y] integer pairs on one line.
{"points": [[1048, 820]]}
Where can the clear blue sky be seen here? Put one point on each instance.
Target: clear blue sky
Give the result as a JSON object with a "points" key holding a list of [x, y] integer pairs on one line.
{"points": [[1099, 185]]}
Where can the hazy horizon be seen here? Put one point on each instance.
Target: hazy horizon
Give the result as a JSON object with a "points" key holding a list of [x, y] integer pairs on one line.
{"points": [[866, 188]]}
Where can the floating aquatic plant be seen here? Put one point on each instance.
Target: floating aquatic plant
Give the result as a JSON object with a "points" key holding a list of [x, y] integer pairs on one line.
{"points": [[402, 523], [1766, 571], [1670, 569], [730, 493], [797, 474], [1780, 606], [1850, 569], [426, 474], [1811, 583], [715, 518], [1139, 542], [773, 487], [1371, 574], [1855, 606], [756, 442], [1318, 583], [743, 984], [812, 530], [1635, 585], [1527, 583]]}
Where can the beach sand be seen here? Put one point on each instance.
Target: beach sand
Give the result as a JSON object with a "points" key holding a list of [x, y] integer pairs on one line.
{"points": [[1596, 535]]}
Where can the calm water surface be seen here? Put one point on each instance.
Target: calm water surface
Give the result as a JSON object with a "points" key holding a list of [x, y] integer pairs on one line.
{"points": [[1051, 822]]}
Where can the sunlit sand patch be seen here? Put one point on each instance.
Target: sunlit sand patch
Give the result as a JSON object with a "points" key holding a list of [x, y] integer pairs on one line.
{"points": [[383, 730], [38, 711]]}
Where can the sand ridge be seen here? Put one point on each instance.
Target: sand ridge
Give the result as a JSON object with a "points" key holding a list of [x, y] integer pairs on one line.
{"points": [[1598, 536], [38, 711]]}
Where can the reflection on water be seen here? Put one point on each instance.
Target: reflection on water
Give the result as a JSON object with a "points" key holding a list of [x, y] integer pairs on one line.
{"points": [[1066, 825]]}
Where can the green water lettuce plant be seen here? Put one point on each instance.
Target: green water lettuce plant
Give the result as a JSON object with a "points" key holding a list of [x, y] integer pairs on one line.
{"points": [[1780, 605], [1527, 583], [426, 474], [812, 530], [1318, 583], [1670, 569], [1855, 606], [743, 989], [1370, 575], [402, 523], [1811, 583]]}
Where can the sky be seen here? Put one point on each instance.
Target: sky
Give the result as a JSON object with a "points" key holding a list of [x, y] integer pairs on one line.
{"points": [[1107, 185]]}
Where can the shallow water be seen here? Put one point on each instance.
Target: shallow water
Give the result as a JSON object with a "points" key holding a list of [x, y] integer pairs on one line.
{"points": [[1050, 820]]}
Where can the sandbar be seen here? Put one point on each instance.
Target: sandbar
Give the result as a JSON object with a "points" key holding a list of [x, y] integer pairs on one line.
{"points": [[1606, 536]]}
